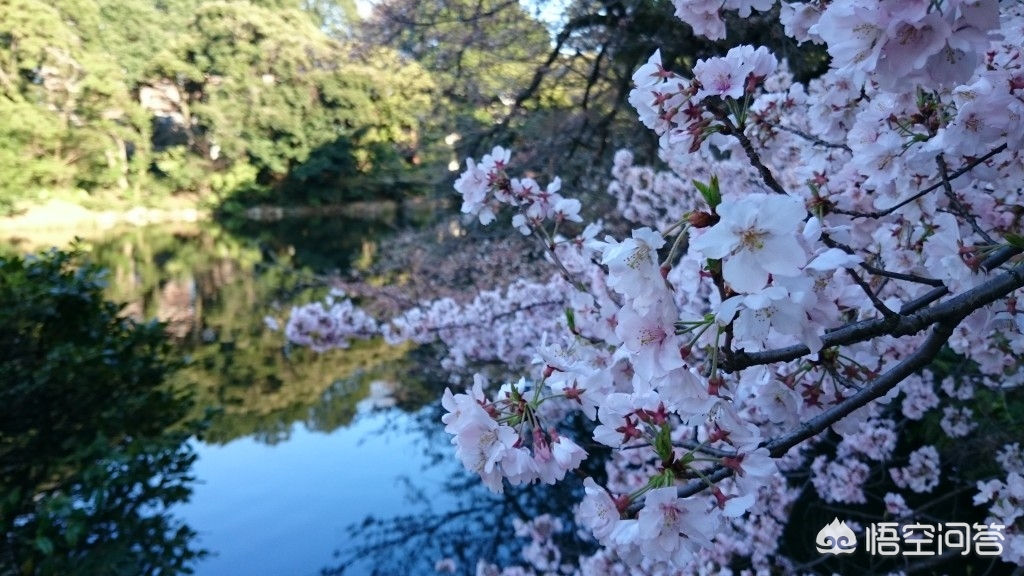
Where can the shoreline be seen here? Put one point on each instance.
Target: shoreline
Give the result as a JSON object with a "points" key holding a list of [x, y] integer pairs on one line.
{"points": [[58, 222], [56, 215]]}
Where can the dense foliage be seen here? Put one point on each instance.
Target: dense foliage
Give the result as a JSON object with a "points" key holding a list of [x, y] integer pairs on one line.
{"points": [[130, 100], [511, 71], [92, 451]]}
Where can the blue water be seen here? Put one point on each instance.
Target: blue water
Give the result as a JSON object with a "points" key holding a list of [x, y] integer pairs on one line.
{"points": [[273, 496], [282, 509]]}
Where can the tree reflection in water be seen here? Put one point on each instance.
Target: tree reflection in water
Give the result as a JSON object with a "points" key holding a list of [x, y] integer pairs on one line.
{"points": [[93, 450], [215, 289], [462, 520]]}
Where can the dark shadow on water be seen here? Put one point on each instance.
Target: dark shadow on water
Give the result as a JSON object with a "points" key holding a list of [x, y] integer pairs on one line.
{"points": [[319, 244], [460, 519], [93, 433]]}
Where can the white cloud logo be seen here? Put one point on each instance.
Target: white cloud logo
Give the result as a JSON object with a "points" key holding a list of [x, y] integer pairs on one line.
{"points": [[836, 538]]}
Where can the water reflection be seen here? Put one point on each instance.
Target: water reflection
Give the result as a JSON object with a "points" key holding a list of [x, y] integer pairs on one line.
{"points": [[334, 462], [214, 290], [455, 517], [316, 243], [284, 509], [93, 450]]}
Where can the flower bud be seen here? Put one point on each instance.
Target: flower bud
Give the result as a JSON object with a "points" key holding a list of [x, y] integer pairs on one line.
{"points": [[702, 219]]}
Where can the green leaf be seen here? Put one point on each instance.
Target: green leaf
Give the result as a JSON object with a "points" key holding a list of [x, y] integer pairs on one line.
{"points": [[44, 545], [1015, 240], [663, 443], [711, 192]]}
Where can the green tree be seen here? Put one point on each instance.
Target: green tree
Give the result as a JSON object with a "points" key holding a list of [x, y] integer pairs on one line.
{"points": [[481, 53], [266, 89], [92, 452], [557, 94], [73, 120]]}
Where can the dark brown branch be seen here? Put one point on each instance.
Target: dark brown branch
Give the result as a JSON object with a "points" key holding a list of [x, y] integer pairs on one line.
{"points": [[959, 306], [878, 304], [755, 159], [876, 389], [960, 209], [587, 21], [831, 243], [879, 213], [993, 261], [806, 136], [901, 276]]}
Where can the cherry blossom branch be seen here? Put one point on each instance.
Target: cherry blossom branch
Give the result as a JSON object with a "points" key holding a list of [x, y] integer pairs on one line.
{"points": [[905, 325], [831, 243], [876, 389], [495, 317], [880, 213], [993, 261], [549, 246], [695, 447], [878, 304], [901, 276], [755, 159], [806, 136], [955, 202]]}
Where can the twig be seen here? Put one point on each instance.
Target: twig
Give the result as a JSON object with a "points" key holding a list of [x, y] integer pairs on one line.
{"points": [[831, 243], [879, 213], [955, 202], [878, 304], [901, 276], [995, 260], [808, 137], [876, 389], [904, 325], [755, 159]]}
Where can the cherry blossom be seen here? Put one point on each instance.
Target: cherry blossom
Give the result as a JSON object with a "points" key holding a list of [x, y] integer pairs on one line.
{"points": [[922, 473], [755, 237], [802, 255]]}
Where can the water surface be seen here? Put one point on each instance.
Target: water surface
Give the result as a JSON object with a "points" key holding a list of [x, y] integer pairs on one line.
{"points": [[334, 463]]}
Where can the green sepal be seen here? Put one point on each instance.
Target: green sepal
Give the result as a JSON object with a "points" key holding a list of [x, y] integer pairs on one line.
{"points": [[711, 192], [663, 443], [1015, 240]]}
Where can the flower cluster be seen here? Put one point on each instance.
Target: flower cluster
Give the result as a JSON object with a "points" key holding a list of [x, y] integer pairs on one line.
{"points": [[329, 324], [496, 325], [811, 248], [505, 439], [485, 184], [1006, 501]]}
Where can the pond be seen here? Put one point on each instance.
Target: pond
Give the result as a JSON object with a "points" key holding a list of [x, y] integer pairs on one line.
{"points": [[334, 463]]}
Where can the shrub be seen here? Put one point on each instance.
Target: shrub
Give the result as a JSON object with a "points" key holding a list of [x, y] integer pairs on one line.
{"points": [[92, 449]]}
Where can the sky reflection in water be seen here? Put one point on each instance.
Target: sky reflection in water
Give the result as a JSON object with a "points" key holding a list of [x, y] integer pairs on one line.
{"points": [[282, 509], [294, 457]]}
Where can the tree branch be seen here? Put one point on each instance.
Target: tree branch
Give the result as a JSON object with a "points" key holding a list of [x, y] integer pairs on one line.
{"points": [[878, 304], [806, 136], [957, 307], [876, 389], [879, 213], [755, 159], [961, 210]]}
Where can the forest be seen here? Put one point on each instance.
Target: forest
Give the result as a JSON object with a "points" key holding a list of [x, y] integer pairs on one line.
{"points": [[231, 103], [289, 102]]}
